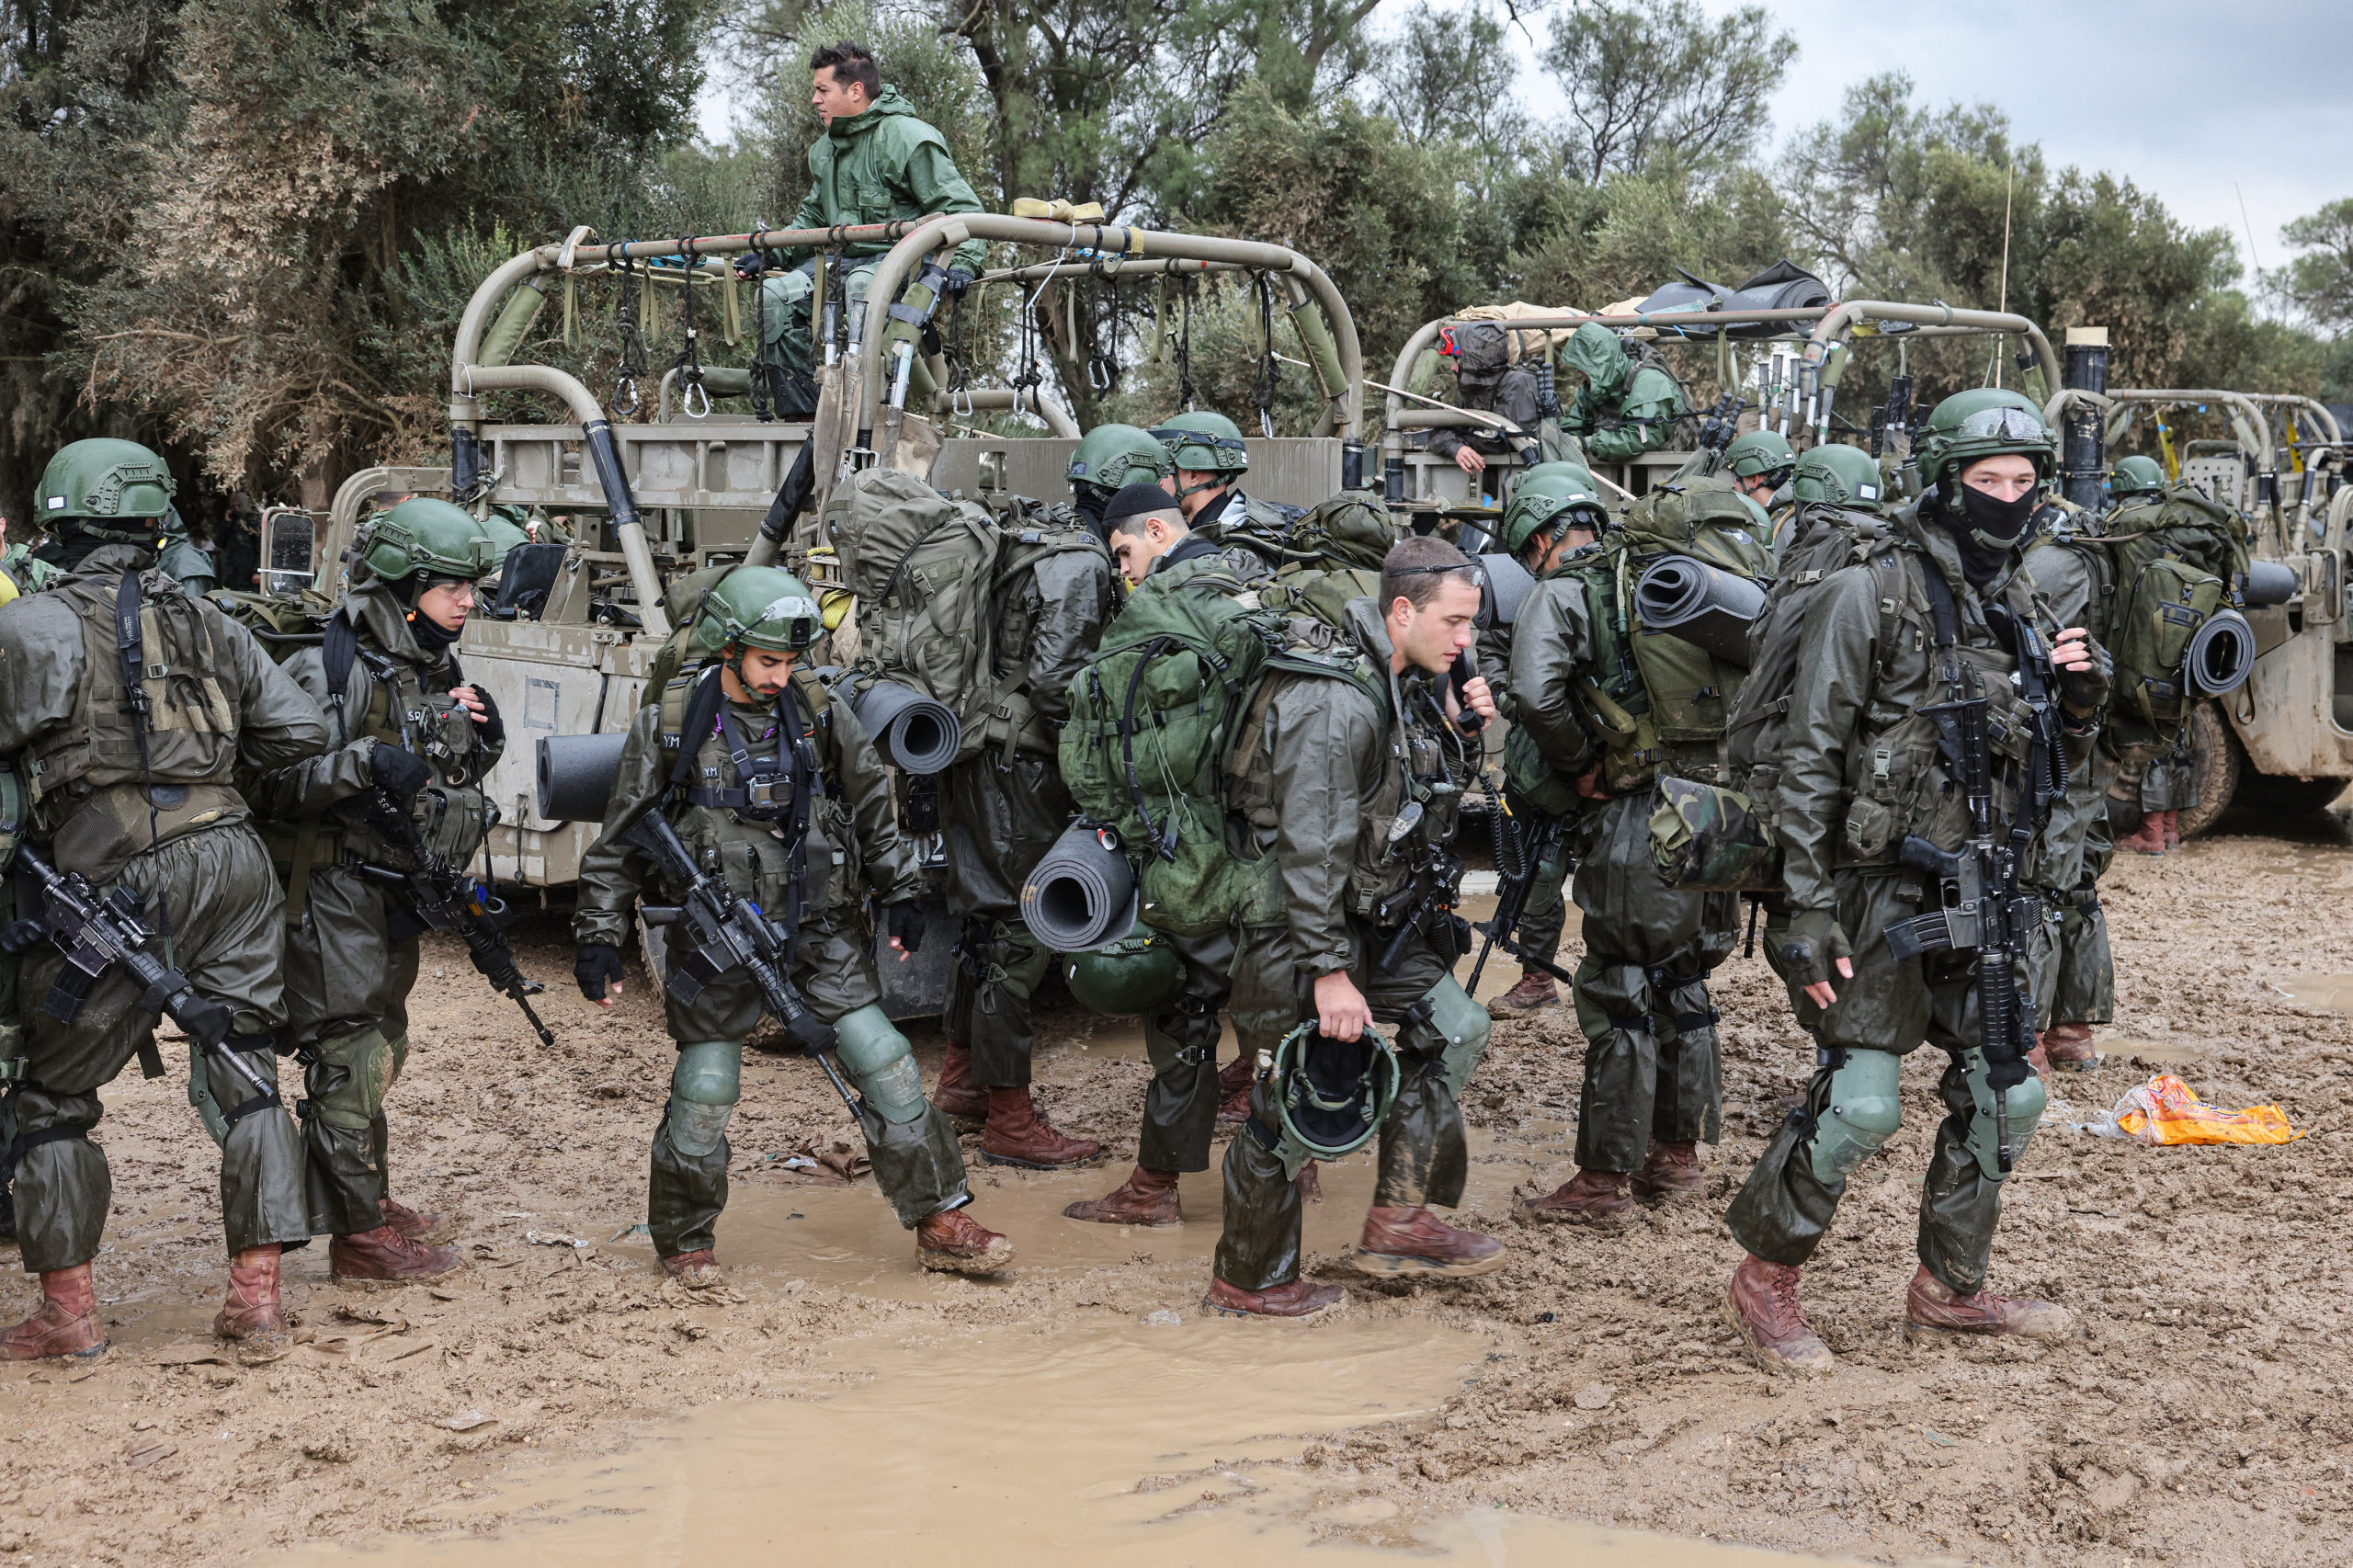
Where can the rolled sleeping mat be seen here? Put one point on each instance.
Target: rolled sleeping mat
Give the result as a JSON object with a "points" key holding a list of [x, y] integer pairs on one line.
{"points": [[914, 733], [576, 774], [1704, 605], [1082, 893], [1504, 583], [2267, 583], [2222, 655]]}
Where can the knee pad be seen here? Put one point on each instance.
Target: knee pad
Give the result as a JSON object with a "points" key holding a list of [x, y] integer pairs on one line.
{"points": [[361, 1067], [1863, 1111], [2024, 1103], [878, 1057], [1465, 1026], [704, 1087]]}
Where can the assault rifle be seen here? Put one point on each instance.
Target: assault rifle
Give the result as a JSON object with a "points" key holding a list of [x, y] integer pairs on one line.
{"points": [[730, 934], [1519, 852], [446, 899], [1436, 876]]}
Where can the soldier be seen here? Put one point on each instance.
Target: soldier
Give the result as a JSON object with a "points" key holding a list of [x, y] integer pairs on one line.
{"points": [[1489, 381], [1208, 453], [763, 734], [2163, 787], [876, 163], [1346, 778], [21, 571], [132, 790], [1627, 407], [185, 559], [1001, 809], [1932, 615], [1555, 508], [1109, 459], [405, 721]]}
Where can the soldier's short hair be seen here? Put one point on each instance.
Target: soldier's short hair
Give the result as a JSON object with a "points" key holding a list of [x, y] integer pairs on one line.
{"points": [[1414, 567], [850, 63]]}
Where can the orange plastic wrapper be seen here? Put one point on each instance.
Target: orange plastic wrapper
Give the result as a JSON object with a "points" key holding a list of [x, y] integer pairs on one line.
{"points": [[2165, 1110]]}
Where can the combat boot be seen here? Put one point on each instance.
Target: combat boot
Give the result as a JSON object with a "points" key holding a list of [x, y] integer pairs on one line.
{"points": [[1146, 1197], [955, 1243], [252, 1315], [67, 1323], [1668, 1170], [1296, 1300], [1414, 1241], [697, 1271], [1763, 1301], [423, 1228], [2067, 1048], [1534, 993], [958, 1097], [383, 1259], [1931, 1303], [2149, 838], [2173, 830], [1590, 1194], [1234, 1081], [1018, 1134]]}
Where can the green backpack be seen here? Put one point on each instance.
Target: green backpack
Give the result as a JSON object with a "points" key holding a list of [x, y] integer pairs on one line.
{"points": [[2177, 559], [1151, 720], [1337, 548]]}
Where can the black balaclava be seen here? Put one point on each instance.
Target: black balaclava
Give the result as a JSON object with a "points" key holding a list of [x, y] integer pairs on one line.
{"points": [[430, 634], [1090, 499], [1985, 529]]}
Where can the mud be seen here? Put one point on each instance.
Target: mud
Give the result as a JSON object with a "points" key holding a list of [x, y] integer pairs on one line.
{"points": [[2197, 1417]]}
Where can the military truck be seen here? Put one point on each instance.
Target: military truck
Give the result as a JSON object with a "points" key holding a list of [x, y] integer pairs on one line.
{"points": [[566, 646]]}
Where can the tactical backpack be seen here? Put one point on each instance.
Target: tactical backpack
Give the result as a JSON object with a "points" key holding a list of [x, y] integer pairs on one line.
{"points": [[1032, 534], [2172, 575], [1337, 548], [1151, 721]]}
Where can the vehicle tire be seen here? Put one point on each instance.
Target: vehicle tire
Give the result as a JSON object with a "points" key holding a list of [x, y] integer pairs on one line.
{"points": [[2270, 793], [2217, 762]]}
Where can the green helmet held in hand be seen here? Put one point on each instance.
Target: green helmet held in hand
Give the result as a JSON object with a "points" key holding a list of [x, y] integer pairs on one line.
{"points": [[1982, 423], [117, 488], [2136, 476], [1841, 475], [422, 535], [1140, 973], [1545, 492], [759, 606], [1113, 457], [1204, 443], [1760, 452]]}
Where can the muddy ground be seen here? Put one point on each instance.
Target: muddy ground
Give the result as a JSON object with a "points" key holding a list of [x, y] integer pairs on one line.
{"points": [[2198, 1416]]}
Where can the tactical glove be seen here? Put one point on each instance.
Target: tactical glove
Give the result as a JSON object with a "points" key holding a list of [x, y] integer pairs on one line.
{"points": [[399, 773], [953, 285], [904, 921], [1809, 953], [493, 728], [2086, 691], [598, 968]]}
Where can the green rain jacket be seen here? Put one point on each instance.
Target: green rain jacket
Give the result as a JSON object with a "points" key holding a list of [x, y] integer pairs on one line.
{"points": [[882, 166], [1624, 409]]}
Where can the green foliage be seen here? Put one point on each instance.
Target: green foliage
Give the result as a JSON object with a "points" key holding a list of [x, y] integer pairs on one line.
{"points": [[2319, 284], [1653, 81]]}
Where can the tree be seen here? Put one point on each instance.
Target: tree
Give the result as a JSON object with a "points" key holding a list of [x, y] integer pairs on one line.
{"points": [[2319, 284], [1647, 79]]}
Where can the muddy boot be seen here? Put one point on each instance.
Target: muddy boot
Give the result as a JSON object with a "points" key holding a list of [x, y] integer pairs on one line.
{"points": [[67, 1324], [2173, 830], [251, 1314], [1296, 1300], [1534, 993], [423, 1228], [1931, 1303], [1588, 1196], [1234, 1081], [1309, 1185], [2149, 838], [1146, 1197], [1414, 1241], [958, 1096], [383, 1259], [1018, 1134], [2067, 1048], [1763, 1301], [697, 1271], [1668, 1170], [955, 1243]]}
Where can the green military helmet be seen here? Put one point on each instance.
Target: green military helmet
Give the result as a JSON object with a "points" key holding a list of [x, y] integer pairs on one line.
{"points": [[1334, 1095], [1982, 423], [422, 535], [1840, 474], [1545, 493], [1138, 974], [106, 481], [759, 606], [1111, 457], [1760, 452], [1204, 443], [2136, 476]]}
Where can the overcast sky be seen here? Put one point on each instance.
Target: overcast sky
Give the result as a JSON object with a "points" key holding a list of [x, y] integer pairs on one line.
{"points": [[2203, 104]]}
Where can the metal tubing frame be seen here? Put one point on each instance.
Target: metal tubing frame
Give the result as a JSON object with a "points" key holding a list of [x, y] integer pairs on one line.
{"points": [[2247, 403]]}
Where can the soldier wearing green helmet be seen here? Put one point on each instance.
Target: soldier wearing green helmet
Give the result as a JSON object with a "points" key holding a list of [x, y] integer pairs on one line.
{"points": [[763, 774], [1836, 474], [130, 785], [404, 721], [1760, 463], [2134, 476], [1626, 408], [1209, 456], [1110, 458], [1911, 624]]}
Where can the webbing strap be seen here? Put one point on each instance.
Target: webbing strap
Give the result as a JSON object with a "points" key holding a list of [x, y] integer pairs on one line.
{"points": [[57, 1134]]}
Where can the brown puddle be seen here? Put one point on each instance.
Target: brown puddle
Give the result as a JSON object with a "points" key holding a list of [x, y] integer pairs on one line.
{"points": [[1144, 1446], [2165, 1052], [2333, 992]]}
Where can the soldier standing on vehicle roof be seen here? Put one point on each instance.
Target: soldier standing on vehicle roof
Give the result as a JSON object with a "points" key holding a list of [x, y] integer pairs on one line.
{"points": [[1208, 452], [876, 163], [405, 721], [1556, 508], [1627, 407], [1110, 458], [780, 790], [132, 790], [1348, 774], [1934, 614]]}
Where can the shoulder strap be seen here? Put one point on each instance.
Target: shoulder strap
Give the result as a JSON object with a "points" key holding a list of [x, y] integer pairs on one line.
{"points": [[339, 649], [702, 709]]}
